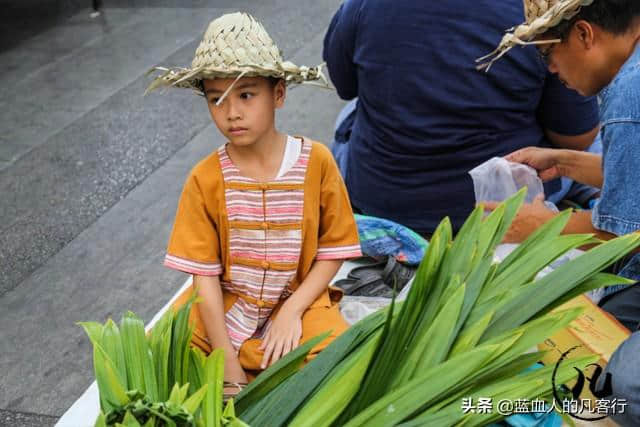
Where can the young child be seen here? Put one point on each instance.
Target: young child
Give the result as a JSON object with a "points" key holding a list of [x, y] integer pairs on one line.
{"points": [[264, 222]]}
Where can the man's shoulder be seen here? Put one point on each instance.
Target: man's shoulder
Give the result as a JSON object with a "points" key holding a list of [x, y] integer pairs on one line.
{"points": [[620, 101]]}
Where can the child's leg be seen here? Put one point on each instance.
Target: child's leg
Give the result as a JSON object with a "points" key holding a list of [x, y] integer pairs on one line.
{"points": [[323, 316]]}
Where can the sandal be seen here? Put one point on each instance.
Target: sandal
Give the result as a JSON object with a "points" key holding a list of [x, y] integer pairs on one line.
{"points": [[376, 279], [397, 275]]}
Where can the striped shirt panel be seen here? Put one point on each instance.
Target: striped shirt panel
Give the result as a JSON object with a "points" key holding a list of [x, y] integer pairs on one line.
{"points": [[339, 252], [192, 267], [245, 320]]}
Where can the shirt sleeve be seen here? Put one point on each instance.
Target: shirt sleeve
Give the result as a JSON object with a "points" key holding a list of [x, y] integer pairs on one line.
{"points": [[338, 236], [566, 112], [339, 49], [194, 245], [618, 209]]}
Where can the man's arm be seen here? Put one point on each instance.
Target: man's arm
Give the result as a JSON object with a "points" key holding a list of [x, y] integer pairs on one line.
{"points": [[569, 120], [339, 49], [551, 163], [572, 142], [580, 223]]}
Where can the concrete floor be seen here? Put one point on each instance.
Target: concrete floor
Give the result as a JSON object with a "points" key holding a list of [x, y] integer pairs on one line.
{"points": [[91, 171]]}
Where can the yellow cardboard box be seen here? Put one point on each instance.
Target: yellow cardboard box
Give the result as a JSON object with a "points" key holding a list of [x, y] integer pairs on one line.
{"points": [[594, 332]]}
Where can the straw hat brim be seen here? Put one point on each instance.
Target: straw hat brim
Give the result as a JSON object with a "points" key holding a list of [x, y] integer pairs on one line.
{"points": [[189, 78], [524, 34]]}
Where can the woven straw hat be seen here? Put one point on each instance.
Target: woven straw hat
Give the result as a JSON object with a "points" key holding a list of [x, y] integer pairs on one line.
{"points": [[541, 16], [236, 45]]}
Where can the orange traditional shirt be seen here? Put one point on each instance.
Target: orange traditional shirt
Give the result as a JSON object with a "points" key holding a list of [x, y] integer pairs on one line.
{"points": [[261, 238]]}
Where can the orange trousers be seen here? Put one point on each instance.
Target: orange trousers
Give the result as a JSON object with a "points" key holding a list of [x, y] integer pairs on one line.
{"points": [[322, 316]]}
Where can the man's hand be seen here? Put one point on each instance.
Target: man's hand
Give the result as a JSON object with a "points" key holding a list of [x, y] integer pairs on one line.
{"points": [[529, 218], [544, 160], [282, 337]]}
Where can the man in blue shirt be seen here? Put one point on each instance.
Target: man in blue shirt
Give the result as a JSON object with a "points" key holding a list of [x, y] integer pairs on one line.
{"points": [[425, 116], [595, 49]]}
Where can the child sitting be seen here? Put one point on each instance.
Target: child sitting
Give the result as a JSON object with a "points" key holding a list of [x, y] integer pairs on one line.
{"points": [[264, 222]]}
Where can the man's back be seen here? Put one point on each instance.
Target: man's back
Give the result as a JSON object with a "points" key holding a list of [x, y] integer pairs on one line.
{"points": [[425, 115]]}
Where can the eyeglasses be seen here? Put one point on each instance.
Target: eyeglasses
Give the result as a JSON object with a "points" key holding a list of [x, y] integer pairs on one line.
{"points": [[545, 51]]}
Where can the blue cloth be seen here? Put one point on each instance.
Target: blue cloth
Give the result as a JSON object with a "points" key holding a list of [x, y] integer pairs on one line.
{"points": [[380, 237], [425, 116]]}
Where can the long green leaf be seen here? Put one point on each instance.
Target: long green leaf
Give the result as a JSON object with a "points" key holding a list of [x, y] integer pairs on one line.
{"points": [[212, 403], [336, 392], [383, 350], [112, 344], [413, 317], [160, 343], [547, 231], [468, 339], [196, 369], [178, 394], [112, 391], [525, 268], [141, 374], [600, 280], [511, 208], [533, 298], [111, 387], [277, 407], [404, 401], [192, 403], [432, 345], [488, 231], [180, 338], [276, 373], [529, 386]]}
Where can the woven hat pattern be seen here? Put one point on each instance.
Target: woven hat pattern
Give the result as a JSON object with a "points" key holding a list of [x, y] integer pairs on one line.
{"points": [[236, 45], [235, 41], [541, 16], [534, 9]]}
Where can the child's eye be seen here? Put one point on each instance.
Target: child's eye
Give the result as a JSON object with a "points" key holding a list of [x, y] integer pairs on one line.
{"points": [[214, 100], [246, 95]]}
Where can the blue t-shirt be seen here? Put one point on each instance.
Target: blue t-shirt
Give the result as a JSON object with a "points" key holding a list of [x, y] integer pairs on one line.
{"points": [[425, 115]]}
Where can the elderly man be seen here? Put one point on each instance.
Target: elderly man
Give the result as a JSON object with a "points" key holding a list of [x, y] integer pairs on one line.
{"points": [[425, 116]]}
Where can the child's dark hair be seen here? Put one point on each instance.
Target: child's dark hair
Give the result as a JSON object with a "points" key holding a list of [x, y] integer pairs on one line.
{"points": [[614, 16], [273, 81]]}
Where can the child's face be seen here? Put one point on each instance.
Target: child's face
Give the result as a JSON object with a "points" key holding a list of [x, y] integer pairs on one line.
{"points": [[247, 113]]}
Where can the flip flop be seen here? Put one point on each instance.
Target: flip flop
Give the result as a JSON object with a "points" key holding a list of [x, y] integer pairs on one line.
{"points": [[397, 275], [364, 279], [376, 279]]}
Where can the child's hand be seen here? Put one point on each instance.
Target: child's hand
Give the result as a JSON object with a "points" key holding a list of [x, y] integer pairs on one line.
{"points": [[282, 337]]}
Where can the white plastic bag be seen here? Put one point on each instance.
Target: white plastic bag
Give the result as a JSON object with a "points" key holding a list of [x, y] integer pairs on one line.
{"points": [[497, 179]]}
